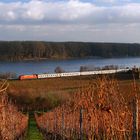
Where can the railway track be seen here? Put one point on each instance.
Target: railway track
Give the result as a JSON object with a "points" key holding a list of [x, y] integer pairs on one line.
{"points": [[69, 74]]}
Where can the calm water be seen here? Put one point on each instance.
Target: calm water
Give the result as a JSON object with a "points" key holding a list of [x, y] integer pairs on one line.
{"points": [[48, 66]]}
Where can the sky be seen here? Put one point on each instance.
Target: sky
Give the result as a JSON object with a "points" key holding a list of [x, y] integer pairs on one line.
{"points": [[70, 20]]}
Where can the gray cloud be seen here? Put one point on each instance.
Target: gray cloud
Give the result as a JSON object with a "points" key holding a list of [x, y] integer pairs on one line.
{"points": [[70, 20], [40, 12]]}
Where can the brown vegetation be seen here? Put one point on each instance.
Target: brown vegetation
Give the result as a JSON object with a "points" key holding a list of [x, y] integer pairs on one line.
{"points": [[13, 124], [49, 93], [98, 111], [46, 93]]}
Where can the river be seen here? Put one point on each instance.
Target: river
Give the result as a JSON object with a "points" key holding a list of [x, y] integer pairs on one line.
{"points": [[48, 66]]}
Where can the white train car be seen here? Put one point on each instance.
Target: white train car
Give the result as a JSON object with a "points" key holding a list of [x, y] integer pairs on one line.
{"points": [[122, 70], [98, 72], [91, 72], [84, 73], [41, 76], [108, 71], [70, 74], [54, 75]]}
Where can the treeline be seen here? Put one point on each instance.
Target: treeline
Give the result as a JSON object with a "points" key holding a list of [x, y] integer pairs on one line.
{"points": [[25, 50]]}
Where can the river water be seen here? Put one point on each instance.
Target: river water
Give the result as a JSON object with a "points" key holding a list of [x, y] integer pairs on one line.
{"points": [[48, 66]]}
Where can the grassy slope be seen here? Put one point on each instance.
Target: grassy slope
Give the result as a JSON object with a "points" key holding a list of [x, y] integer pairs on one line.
{"points": [[48, 93], [53, 90]]}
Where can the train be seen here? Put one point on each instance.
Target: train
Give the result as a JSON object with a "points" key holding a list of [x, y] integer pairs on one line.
{"points": [[69, 74], [24, 77]]}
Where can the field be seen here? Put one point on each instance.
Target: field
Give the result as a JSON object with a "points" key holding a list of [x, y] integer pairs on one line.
{"points": [[85, 107], [48, 93], [13, 123], [101, 110]]}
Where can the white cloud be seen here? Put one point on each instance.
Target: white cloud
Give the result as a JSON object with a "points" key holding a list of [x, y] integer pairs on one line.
{"points": [[69, 20], [108, 1], [73, 11], [112, 1]]}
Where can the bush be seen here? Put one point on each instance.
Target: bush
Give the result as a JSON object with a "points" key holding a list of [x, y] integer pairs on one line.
{"points": [[58, 69]]}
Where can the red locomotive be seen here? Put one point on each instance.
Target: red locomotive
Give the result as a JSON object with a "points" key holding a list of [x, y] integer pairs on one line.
{"points": [[27, 77]]}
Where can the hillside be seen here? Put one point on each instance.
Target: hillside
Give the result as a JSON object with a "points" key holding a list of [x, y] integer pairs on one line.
{"points": [[27, 50]]}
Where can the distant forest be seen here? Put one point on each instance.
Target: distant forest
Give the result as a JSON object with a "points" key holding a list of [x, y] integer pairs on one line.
{"points": [[35, 50]]}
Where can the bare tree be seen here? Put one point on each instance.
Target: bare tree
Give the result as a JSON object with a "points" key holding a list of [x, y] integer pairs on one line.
{"points": [[58, 69]]}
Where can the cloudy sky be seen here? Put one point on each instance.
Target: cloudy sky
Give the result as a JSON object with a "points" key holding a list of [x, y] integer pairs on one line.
{"points": [[70, 20]]}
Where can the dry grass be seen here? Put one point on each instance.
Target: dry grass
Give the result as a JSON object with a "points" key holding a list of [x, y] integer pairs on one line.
{"points": [[107, 114], [46, 93], [49, 93], [13, 123]]}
